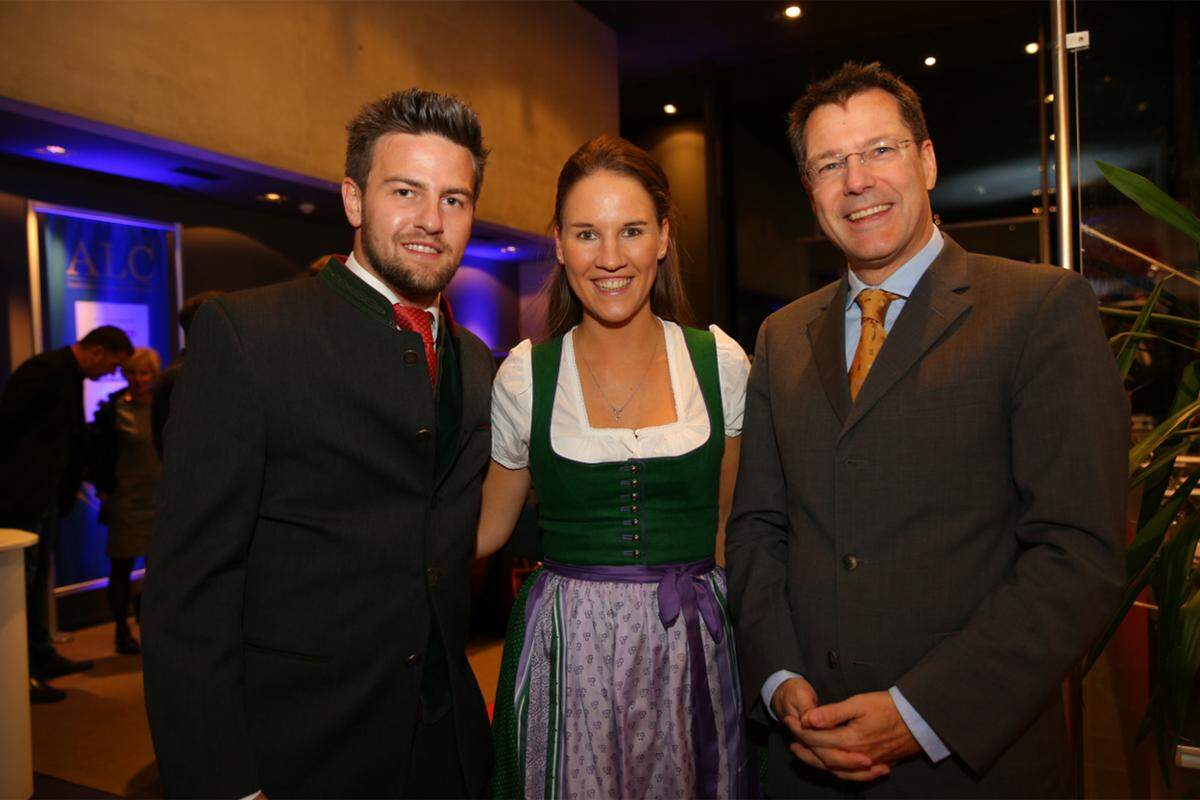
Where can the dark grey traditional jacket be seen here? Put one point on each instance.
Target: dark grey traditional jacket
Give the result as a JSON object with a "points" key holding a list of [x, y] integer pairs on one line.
{"points": [[307, 589]]}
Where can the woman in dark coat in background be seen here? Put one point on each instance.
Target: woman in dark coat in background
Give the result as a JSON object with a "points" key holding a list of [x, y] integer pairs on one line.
{"points": [[125, 469]]}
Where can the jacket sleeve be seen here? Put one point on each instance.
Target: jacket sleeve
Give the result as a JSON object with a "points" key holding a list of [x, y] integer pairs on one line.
{"points": [[1070, 434], [756, 546], [102, 447], [192, 612], [33, 392]]}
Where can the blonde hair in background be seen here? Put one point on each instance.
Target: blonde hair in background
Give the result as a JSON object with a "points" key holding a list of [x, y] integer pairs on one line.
{"points": [[144, 357]]}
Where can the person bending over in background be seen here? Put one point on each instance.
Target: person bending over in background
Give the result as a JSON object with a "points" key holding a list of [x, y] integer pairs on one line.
{"points": [[43, 444]]}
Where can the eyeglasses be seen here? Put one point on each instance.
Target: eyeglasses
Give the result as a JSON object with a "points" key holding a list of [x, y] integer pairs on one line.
{"points": [[829, 168]]}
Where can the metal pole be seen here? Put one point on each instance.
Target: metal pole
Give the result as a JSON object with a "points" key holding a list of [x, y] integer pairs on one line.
{"points": [[1043, 152], [1062, 138]]}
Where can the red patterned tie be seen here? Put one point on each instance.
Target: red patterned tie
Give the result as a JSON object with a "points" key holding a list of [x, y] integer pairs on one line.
{"points": [[418, 320]]}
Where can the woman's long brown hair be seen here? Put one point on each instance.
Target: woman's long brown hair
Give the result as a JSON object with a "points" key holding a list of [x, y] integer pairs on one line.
{"points": [[613, 154]]}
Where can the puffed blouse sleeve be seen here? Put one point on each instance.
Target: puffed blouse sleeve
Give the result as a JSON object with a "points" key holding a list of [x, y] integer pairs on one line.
{"points": [[733, 369], [512, 408]]}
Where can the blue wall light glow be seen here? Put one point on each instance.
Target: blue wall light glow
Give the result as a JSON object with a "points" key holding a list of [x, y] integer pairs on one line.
{"points": [[485, 300]]}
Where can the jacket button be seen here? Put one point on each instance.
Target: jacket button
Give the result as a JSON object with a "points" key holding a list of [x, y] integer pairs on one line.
{"points": [[634, 468], [410, 358], [850, 562], [832, 658], [637, 553], [633, 482], [636, 521], [423, 434], [633, 496], [637, 537], [433, 575], [413, 660]]}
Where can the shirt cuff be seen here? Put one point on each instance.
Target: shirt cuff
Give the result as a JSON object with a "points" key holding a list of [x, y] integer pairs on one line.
{"points": [[934, 747], [771, 684]]}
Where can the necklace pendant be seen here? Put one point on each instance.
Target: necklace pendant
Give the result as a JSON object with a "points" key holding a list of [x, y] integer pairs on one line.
{"points": [[617, 416]]}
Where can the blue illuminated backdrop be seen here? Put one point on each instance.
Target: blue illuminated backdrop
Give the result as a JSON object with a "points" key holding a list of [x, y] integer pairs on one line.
{"points": [[98, 270]]}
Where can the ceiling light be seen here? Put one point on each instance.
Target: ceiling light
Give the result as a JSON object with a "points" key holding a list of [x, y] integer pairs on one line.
{"points": [[508, 249], [272, 197], [1032, 48], [56, 150], [669, 108], [792, 12], [930, 61], [1052, 137], [1050, 98], [307, 207]]}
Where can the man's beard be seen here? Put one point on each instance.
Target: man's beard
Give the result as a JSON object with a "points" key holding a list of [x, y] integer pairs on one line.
{"points": [[406, 280]]}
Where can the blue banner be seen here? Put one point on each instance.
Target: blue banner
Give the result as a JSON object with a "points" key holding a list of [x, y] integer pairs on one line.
{"points": [[101, 270]]}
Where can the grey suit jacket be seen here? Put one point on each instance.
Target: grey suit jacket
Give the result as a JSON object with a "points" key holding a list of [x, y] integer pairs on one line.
{"points": [[956, 531]]}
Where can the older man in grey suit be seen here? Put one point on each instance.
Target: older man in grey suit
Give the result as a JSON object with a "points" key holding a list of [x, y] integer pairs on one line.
{"points": [[926, 532]]}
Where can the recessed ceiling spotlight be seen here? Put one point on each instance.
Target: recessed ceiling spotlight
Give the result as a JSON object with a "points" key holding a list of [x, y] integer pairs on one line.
{"points": [[670, 108], [307, 207], [1032, 48], [930, 61], [55, 149], [508, 249], [1052, 137], [272, 197], [792, 12], [1049, 98]]}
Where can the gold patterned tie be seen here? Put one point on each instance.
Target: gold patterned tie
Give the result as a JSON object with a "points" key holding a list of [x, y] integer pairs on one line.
{"points": [[874, 304]]}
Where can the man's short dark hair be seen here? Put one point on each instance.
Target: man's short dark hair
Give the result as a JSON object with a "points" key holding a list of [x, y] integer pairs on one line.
{"points": [[854, 78], [110, 338], [414, 111], [187, 311]]}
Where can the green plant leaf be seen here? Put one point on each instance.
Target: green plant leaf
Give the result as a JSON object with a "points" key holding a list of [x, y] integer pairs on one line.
{"points": [[1184, 659], [1129, 350], [1175, 652], [1150, 537], [1142, 450], [1153, 201], [1155, 319], [1161, 465], [1143, 558], [1186, 391], [1157, 337]]}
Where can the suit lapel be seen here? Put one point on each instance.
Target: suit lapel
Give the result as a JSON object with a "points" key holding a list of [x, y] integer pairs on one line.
{"points": [[827, 336], [936, 302]]}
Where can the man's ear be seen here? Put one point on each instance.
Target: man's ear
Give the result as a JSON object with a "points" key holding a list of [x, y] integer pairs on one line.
{"points": [[929, 164], [352, 202]]}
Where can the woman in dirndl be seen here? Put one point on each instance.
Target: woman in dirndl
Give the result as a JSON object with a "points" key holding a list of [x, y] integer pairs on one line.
{"points": [[619, 675]]}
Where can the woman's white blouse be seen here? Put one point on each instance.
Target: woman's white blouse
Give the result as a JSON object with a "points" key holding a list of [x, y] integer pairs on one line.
{"points": [[573, 437]]}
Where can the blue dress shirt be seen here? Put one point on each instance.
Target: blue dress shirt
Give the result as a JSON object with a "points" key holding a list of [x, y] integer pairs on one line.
{"points": [[901, 283]]}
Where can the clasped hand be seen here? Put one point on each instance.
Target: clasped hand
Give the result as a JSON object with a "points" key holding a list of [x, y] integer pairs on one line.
{"points": [[858, 739]]}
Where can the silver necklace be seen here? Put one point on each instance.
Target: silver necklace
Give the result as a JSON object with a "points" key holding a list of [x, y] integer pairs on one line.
{"points": [[617, 410]]}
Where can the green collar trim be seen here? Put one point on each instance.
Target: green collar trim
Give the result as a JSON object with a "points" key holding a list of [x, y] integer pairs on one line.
{"points": [[337, 276]]}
